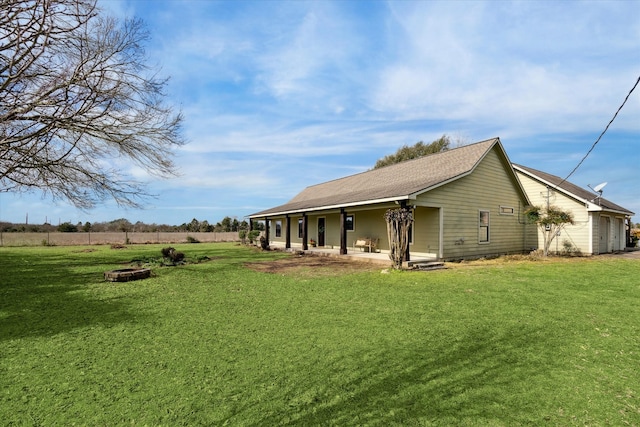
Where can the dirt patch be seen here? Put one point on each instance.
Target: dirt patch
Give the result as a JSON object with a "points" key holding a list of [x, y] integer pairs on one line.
{"points": [[312, 266], [309, 265]]}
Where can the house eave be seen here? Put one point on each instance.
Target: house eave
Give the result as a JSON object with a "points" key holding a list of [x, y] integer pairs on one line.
{"points": [[593, 207], [552, 185], [330, 207], [590, 205]]}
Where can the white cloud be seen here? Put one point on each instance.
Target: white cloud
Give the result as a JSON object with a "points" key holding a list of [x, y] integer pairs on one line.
{"points": [[281, 95], [455, 65]]}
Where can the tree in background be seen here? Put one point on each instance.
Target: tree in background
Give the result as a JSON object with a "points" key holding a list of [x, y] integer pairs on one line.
{"points": [[67, 227], [420, 149], [77, 98], [550, 221]]}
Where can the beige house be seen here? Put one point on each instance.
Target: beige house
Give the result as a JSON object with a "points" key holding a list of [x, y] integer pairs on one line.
{"points": [[467, 203], [600, 225]]}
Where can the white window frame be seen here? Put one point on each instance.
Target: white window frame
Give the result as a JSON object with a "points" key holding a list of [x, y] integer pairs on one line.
{"points": [[481, 227], [507, 210]]}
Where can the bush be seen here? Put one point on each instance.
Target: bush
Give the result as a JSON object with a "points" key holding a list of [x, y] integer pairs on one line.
{"points": [[172, 255], [177, 257], [568, 249], [191, 239], [264, 243], [253, 235], [166, 252], [67, 227]]}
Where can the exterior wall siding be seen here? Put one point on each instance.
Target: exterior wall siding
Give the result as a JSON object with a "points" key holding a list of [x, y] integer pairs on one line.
{"points": [[576, 236], [489, 188], [426, 231]]}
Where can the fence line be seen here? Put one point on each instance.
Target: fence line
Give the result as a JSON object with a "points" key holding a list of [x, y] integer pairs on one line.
{"points": [[110, 238]]}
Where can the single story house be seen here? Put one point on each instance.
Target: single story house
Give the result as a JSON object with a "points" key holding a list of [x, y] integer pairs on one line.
{"points": [[601, 226], [467, 202]]}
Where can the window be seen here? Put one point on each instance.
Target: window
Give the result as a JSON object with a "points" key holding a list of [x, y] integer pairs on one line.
{"points": [[349, 223], [506, 210], [483, 230], [300, 228], [278, 228]]}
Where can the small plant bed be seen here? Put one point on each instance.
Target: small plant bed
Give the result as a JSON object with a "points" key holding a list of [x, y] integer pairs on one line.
{"points": [[169, 257], [304, 265], [127, 274]]}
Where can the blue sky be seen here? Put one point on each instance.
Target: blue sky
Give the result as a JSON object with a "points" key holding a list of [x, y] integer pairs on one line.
{"points": [[281, 95]]}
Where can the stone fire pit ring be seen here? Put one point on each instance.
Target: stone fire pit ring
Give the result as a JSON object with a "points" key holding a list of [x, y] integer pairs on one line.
{"points": [[127, 274]]}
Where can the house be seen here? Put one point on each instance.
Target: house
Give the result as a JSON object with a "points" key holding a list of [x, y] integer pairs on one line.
{"points": [[600, 225], [467, 203]]}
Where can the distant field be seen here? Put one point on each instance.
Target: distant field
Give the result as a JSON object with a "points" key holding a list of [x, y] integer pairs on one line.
{"points": [[217, 342], [82, 238]]}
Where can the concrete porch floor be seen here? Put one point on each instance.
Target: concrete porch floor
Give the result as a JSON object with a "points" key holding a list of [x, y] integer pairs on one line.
{"points": [[355, 254]]}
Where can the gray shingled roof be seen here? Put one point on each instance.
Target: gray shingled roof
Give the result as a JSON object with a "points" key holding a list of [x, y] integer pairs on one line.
{"points": [[394, 182], [573, 189]]}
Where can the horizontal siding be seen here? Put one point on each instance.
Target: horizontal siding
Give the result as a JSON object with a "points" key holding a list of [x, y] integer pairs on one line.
{"points": [[488, 188], [577, 235], [426, 231]]}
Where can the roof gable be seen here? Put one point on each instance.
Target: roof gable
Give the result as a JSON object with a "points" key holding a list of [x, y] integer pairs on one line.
{"points": [[570, 189], [394, 182]]}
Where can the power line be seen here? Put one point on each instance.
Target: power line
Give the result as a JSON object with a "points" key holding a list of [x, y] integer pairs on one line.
{"points": [[602, 134]]}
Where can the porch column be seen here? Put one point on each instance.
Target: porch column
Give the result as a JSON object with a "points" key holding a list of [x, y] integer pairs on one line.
{"points": [[305, 246], [287, 232], [266, 230], [407, 255], [343, 232]]}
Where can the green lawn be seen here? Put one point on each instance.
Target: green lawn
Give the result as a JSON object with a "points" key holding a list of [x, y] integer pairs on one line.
{"points": [[214, 343]]}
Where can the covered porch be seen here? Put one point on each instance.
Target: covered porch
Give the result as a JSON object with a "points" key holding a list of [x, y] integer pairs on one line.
{"points": [[381, 258]]}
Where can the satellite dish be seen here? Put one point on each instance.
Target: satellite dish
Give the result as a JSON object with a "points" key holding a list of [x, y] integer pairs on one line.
{"points": [[598, 188]]}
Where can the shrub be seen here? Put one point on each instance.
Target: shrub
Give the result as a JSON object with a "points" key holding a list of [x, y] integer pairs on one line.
{"points": [[264, 243], [166, 252], [191, 239], [253, 235], [568, 249], [172, 255], [67, 227], [177, 257]]}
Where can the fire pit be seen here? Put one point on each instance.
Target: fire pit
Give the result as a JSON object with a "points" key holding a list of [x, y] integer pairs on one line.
{"points": [[127, 274]]}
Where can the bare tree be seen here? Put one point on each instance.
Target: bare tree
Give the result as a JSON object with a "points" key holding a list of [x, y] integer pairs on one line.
{"points": [[79, 105], [398, 223]]}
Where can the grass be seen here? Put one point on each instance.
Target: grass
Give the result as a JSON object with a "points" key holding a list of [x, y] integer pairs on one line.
{"points": [[216, 343]]}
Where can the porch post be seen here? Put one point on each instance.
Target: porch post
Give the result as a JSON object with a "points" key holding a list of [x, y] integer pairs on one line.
{"points": [[343, 232], [407, 255], [305, 246], [287, 232]]}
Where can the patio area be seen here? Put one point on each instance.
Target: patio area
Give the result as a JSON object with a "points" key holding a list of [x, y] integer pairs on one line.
{"points": [[355, 254]]}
